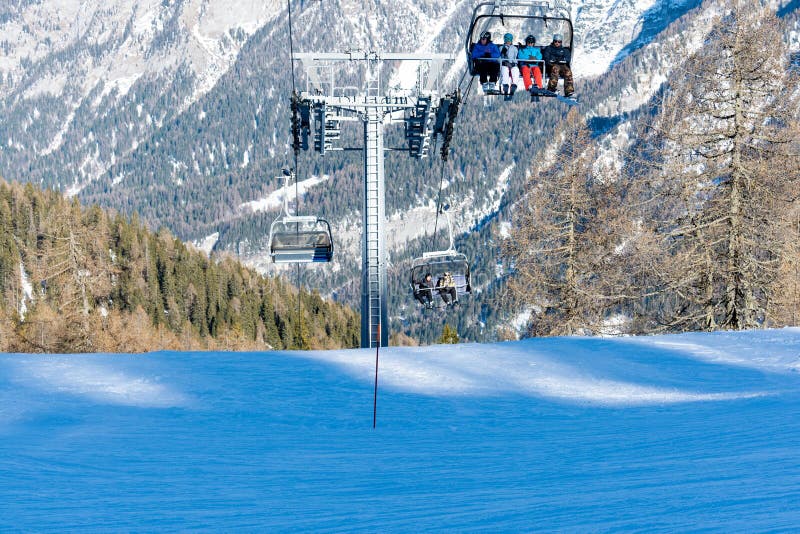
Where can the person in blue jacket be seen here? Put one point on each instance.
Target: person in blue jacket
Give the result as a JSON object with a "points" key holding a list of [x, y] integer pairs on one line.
{"points": [[485, 55], [530, 61]]}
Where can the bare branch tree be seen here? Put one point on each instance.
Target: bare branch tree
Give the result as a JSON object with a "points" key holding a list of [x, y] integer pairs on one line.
{"points": [[563, 247], [726, 176]]}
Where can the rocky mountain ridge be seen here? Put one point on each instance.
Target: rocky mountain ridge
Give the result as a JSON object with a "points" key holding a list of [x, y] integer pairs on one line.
{"points": [[178, 110]]}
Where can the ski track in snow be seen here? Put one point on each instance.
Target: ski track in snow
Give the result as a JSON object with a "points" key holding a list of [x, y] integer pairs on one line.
{"points": [[88, 376], [518, 368]]}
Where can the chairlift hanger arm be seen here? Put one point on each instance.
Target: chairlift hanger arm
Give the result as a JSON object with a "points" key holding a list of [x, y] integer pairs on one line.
{"points": [[372, 56]]}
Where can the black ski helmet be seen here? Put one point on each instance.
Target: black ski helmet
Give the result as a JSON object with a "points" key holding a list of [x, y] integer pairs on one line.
{"points": [[486, 35], [530, 39]]}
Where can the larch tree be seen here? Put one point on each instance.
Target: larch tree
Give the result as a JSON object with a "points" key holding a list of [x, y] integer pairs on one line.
{"points": [[728, 176], [75, 270], [784, 306], [563, 243]]}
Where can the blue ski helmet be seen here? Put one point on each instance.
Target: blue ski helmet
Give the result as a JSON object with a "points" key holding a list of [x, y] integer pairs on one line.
{"points": [[507, 38], [558, 37]]}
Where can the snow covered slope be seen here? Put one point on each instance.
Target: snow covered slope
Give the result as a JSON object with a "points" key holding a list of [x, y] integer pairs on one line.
{"points": [[668, 433]]}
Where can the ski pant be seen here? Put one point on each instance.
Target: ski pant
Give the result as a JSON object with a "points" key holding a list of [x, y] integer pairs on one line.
{"points": [[423, 296], [509, 75], [557, 70], [527, 70], [448, 294], [488, 70]]}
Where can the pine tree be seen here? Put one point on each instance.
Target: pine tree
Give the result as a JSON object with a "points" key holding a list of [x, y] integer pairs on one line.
{"points": [[449, 335], [6, 331]]}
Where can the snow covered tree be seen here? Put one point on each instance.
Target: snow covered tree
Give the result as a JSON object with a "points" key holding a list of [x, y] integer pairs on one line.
{"points": [[728, 175]]}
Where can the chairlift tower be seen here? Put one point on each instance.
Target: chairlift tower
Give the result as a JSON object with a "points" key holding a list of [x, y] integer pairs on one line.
{"points": [[332, 97]]}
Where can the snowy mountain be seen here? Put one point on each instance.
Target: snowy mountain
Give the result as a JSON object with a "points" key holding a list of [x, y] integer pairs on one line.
{"points": [[102, 77], [178, 111], [663, 433], [66, 65]]}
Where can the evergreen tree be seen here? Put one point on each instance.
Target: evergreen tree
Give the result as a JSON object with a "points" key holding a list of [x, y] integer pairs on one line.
{"points": [[449, 335], [103, 283]]}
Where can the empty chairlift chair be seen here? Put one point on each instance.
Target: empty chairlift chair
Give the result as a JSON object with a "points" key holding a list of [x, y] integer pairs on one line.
{"points": [[299, 239]]}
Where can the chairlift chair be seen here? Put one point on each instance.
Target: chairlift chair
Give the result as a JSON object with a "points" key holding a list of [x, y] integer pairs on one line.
{"points": [[521, 18], [299, 239], [437, 263]]}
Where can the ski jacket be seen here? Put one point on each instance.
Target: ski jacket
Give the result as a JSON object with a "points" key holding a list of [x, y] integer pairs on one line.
{"points": [[485, 51], [446, 281], [508, 52], [529, 52], [557, 54]]}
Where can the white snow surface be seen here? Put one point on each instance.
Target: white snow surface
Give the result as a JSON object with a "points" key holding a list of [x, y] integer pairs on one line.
{"points": [[27, 291], [207, 243], [275, 199], [673, 433], [97, 381]]}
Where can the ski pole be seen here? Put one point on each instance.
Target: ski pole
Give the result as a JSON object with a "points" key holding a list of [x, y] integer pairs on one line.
{"points": [[375, 395]]}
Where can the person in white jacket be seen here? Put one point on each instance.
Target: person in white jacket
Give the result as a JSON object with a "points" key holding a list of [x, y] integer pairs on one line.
{"points": [[509, 71]]}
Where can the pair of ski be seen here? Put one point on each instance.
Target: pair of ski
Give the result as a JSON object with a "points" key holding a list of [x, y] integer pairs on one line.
{"points": [[440, 307], [536, 92]]}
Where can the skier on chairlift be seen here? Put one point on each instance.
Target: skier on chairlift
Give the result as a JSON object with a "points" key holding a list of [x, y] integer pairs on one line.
{"points": [[530, 57], [424, 291], [557, 63], [485, 54], [509, 72], [446, 286]]}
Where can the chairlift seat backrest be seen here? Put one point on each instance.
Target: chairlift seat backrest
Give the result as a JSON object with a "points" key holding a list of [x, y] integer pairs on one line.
{"points": [[301, 239]]}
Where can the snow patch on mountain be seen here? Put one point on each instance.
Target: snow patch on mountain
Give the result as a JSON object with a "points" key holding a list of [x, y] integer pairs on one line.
{"points": [[405, 77], [275, 199], [206, 244], [602, 31], [27, 291]]}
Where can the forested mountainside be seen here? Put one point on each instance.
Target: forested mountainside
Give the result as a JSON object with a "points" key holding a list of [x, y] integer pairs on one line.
{"points": [[697, 225], [190, 140], [75, 279]]}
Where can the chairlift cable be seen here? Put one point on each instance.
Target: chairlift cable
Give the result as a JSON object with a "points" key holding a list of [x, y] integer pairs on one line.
{"points": [[438, 207], [296, 185], [294, 92]]}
